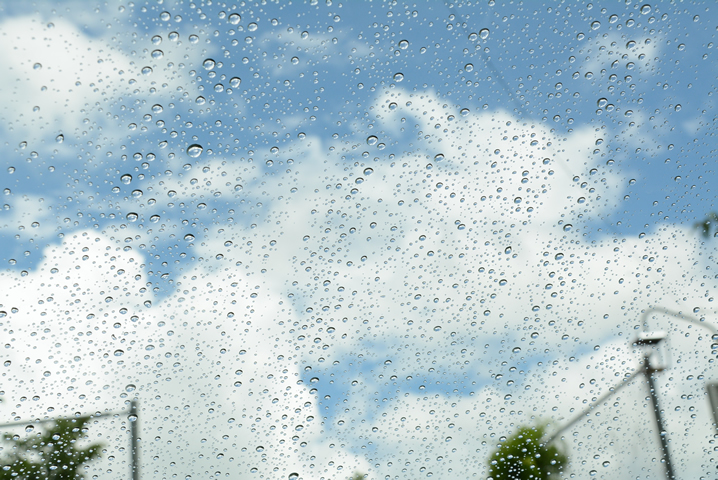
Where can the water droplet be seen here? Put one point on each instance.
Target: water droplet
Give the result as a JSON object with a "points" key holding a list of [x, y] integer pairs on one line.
{"points": [[368, 171], [606, 464], [464, 112], [582, 200], [146, 70], [189, 237], [595, 25], [126, 179], [517, 200], [29, 428], [516, 349], [293, 476], [234, 82], [208, 64], [295, 60], [484, 33], [137, 193], [238, 188], [404, 44], [646, 9], [37, 66], [157, 54], [503, 282], [194, 150], [157, 108], [438, 157], [398, 77], [193, 39], [130, 387], [469, 67], [372, 140], [234, 19], [119, 353], [200, 100], [60, 138], [132, 217], [567, 227]]}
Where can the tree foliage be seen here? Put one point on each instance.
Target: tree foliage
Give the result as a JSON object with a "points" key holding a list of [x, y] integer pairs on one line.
{"points": [[707, 225], [52, 454], [524, 456]]}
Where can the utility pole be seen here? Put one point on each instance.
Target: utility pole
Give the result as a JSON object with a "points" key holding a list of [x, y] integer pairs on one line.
{"points": [[648, 371], [134, 418]]}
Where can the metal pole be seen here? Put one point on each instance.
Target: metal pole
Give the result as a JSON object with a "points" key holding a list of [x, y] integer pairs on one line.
{"points": [[588, 410], [133, 418], [662, 433]]}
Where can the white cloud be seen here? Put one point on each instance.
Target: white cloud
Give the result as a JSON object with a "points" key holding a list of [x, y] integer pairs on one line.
{"points": [[513, 293]]}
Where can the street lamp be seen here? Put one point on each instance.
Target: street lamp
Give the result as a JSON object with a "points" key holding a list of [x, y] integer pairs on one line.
{"points": [[132, 416], [649, 369]]}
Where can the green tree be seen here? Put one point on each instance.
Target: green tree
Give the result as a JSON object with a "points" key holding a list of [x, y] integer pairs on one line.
{"points": [[707, 225], [524, 456], [53, 454]]}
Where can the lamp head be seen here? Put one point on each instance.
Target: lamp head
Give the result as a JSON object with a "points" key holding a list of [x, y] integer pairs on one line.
{"points": [[650, 338]]}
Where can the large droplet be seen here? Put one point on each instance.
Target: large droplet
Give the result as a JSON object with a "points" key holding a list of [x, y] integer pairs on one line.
{"points": [[484, 33], [208, 64], [194, 150], [60, 138], [126, 179]]}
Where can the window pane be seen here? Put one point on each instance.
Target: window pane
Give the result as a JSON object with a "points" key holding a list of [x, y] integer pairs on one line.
{"points": [[319, 240]]}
